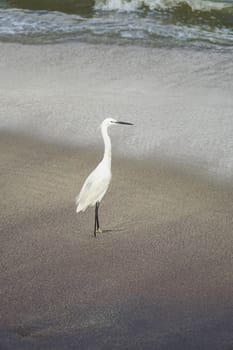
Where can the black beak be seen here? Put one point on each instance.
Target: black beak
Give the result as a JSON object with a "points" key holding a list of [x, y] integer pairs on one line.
{"points": [[124, 123]]}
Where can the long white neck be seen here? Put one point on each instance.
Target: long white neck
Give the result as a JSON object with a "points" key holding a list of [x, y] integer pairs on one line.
{"points": [[107, 146]]}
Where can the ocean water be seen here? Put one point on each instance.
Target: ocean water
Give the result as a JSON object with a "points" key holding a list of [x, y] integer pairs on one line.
{"points": [[157, 23]]}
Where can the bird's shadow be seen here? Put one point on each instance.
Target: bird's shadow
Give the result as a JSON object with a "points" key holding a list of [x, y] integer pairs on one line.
{"points": [[98, 234], [113, 230]]}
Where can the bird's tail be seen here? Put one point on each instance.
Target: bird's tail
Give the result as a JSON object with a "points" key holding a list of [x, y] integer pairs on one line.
{"points": [[77, 204], [80, 207]]}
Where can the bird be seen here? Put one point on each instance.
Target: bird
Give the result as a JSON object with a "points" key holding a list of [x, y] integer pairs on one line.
{"points": [[97, 183]]}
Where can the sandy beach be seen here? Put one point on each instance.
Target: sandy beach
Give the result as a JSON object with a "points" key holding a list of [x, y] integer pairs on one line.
{"points": [[160, 275]]}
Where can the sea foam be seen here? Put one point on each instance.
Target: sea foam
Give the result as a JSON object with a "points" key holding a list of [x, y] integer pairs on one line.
{"points": [[132, 5]]}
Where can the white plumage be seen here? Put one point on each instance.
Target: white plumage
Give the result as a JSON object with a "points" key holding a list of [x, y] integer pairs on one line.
{"points": [[94, 188], [96, 184]]}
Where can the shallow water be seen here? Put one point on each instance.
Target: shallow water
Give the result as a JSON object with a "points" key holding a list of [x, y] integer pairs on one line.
{"points": [[179, 100], [199, 23]]}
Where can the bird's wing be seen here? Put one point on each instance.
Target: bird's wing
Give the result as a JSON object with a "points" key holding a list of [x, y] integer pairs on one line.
{"points": [[86, 187], [92, 191]]}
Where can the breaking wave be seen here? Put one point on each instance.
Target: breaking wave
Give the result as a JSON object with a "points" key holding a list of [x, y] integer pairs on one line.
{"points": [[196, 23], [133, 5]]}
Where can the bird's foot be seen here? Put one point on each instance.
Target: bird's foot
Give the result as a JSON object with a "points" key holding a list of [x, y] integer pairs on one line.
{"points": [[99, 230]]}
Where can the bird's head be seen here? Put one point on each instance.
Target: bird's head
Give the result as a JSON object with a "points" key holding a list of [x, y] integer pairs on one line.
{"points": [[110, 121]]}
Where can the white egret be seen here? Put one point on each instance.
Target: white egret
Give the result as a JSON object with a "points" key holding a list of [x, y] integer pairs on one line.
{"points": [[96, 184]]}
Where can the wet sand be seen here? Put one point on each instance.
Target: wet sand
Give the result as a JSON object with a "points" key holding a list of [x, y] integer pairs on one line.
{"points": [[159, 277], [179, 100]]}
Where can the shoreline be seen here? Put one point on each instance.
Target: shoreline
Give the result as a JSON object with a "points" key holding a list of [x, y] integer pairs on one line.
{"points": [[160, 275]]}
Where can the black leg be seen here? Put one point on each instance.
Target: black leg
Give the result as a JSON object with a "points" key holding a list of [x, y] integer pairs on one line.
{"points": [[97, 215], [96, 209]]}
